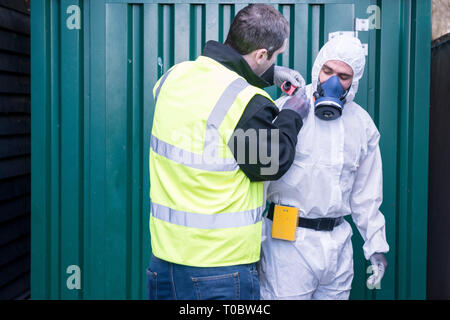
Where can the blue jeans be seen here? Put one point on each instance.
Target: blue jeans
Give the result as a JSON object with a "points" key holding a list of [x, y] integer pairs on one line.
{"points": [[170, 281]]}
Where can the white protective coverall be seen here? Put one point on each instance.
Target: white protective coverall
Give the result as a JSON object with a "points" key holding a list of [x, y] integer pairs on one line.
{"points": [[336, 172]]}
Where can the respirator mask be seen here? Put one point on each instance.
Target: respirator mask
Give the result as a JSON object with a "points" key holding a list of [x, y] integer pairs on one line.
{"points": [[329, 99]]}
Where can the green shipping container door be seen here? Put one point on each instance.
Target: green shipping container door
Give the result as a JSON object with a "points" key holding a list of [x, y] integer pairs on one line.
{"points": [[94, 64]]}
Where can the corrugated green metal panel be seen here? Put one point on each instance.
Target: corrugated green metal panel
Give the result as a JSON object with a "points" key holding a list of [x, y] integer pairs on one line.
{"points": [[92, 110]]}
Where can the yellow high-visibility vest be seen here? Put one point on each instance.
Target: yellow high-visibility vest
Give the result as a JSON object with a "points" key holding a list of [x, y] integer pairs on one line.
{"points": [[205, 212]]}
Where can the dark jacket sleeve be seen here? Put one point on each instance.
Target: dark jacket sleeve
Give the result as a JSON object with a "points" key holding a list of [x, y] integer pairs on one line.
{"points": [[253, 135]]}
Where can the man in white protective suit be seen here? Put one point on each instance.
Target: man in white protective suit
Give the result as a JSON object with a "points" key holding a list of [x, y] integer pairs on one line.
{"points": [[336, 172]]}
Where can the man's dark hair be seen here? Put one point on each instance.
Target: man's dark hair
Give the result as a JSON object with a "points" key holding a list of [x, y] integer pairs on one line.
{"points": [[258, 26]]}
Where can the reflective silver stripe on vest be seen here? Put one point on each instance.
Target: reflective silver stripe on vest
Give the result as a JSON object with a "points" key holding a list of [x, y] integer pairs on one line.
{"points": [[209, 160], [204, 162], [160, 85], [220, 110], [206, 221]]}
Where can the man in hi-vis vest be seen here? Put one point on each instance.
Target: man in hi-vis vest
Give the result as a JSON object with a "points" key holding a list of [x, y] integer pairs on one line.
{"points": [[214, 141]]}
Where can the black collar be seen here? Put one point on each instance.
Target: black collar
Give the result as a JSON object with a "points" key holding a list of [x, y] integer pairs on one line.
{"points": [[235, 62]]}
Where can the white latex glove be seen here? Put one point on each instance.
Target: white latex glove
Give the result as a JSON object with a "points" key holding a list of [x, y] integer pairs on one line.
{"points": [[282, 74], [298, 103], [379, 265]]}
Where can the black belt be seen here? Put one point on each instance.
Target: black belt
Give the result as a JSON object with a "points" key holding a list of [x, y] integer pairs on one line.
{"points": [[320, 224]]}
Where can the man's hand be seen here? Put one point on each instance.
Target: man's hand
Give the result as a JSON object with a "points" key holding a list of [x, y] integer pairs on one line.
{"points": [[379, 265], [282, 74], [298, 103]]}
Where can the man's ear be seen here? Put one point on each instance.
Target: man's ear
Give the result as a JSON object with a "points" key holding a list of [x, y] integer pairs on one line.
{"points": [[260, 55]]}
